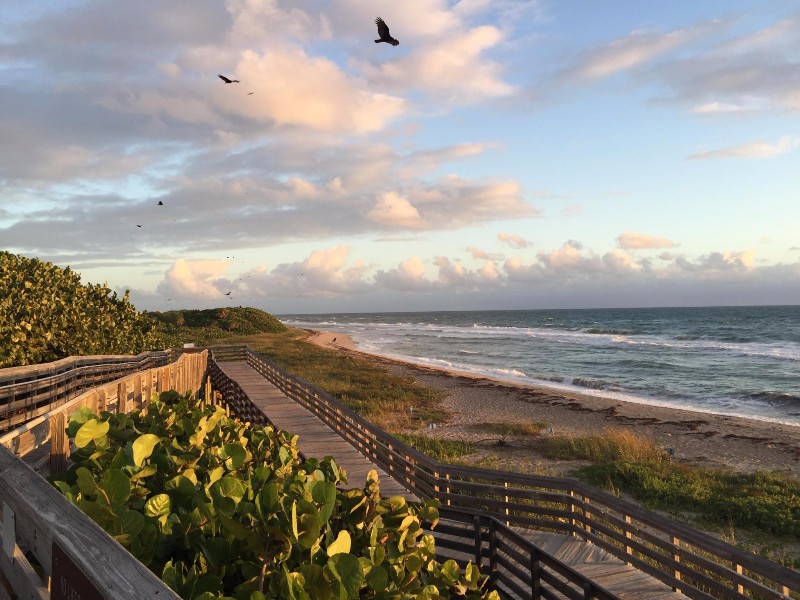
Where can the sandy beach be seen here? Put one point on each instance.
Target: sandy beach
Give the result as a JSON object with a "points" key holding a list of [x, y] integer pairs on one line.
{"points": [[698, 438]]}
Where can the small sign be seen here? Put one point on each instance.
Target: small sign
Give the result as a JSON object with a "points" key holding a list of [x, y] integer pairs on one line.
{"points": [[67, 581]]}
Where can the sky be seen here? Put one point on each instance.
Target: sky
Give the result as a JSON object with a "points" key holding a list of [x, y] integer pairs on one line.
{"points": [[507, 154]]}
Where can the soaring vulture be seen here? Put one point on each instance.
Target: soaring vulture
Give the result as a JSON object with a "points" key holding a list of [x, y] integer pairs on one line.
{"points": [[226, 80], [383, 31]]}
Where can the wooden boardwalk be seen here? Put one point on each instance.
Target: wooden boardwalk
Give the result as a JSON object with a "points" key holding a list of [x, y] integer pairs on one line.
{"points": [[316, 438], [601, 567]]}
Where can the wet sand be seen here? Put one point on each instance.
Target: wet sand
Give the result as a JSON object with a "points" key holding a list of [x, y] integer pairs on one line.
{"points": [[698, 438]]}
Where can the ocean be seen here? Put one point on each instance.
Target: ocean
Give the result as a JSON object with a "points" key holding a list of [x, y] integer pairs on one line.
{"points": [[742, 361]]}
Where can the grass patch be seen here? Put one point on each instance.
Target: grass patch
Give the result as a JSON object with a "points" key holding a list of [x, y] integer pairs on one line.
{"points": [[616, 444], [759, 501], [443, 450], [521, 429], [365, 386]]}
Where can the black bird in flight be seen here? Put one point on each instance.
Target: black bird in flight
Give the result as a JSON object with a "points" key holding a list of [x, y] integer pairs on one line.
{"points": [[383, 31], [138, 225], [226, 80], [229, 293], [160, 203]]}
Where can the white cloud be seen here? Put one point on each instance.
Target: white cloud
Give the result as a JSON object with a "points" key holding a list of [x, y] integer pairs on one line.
{"points": [[515, 241], [394, 211], [633, 50], [189, 278], [408, 276], [758, 149], [631, 240]]}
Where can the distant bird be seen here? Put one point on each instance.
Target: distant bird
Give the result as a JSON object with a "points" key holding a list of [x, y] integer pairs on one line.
{"points": [[160, 203], [138, 225], [383, 31], [249, 93], [226, 80], [229, 293]]}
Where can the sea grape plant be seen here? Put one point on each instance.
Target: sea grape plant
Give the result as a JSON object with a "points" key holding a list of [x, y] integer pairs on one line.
{"points": [[219, 508], [47, 314]]}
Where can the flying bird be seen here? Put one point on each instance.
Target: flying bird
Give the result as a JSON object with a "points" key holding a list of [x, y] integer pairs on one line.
{"points": [[383, 31], [249, 93], [160, 203], [138, 225], [226, 80], [229, 293]]}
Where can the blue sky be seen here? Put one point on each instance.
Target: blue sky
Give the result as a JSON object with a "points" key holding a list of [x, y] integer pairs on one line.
{"points": [[507, 154]]}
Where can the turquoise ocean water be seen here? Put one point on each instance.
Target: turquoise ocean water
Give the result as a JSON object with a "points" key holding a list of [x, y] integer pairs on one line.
{"points": [[730, 360]]}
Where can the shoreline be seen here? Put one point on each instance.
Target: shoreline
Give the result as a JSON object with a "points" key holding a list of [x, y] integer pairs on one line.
{"points": [[699, 438]]}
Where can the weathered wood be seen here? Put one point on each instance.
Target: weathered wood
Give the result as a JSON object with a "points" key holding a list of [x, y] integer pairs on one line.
{"points": [[59, 443], [44, 515]]}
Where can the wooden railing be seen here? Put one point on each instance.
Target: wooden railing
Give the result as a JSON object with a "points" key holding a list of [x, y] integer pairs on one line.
{"points": [[30, 391], [76, 558], [687, 560]]}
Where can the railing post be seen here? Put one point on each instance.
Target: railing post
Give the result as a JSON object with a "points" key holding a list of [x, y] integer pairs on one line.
{"points": [[478, 541], [137, 391], [122, 397], [628, 549], [587, 516], [677, 558], [505, 499], [492, 553], [59, 443], [573, 523], [536, 575], [738, 568], [447, 488]]}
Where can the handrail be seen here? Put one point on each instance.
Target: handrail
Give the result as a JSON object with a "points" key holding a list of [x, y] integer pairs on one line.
{"points": [[78, 556], [688, 560], [30, 391]]}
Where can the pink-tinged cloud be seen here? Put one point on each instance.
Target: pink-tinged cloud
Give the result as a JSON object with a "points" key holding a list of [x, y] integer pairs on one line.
{"points": [[194, 278], [758, 149], [408, 276], [394, 211], [515, 241], [631, 240]]}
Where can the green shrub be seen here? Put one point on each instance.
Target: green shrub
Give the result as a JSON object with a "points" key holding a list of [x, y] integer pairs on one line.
{"points": [[220, 508], [46, 314]]}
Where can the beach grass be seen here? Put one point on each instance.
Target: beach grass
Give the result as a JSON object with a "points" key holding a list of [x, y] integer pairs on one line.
{"points": [[438, 448], [392, 402], [506, 429], [613, 445]]}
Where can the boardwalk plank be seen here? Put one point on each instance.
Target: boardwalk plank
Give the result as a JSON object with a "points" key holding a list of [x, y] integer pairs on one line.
{"points": [[316, 438]]}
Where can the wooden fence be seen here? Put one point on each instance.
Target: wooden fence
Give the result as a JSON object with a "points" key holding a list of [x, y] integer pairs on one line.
{"points": [[30, 391], [76, 558], [692, 562]]}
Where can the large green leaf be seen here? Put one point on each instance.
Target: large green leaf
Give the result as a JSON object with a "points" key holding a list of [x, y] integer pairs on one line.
{"points": [[159, 505], [236, 455], [143, 447], [117, 487], [91, 431], [346, 569], [341, 544]]}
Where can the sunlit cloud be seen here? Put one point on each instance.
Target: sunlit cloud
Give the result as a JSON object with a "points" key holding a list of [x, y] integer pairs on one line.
{"points": [[758, 149], [631, 240]]}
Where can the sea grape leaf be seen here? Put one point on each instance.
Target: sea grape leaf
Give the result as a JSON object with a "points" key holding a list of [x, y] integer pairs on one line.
{"points": [[91, 431], [143, 447], [85, 480], [341, 544], [346, 569], [78, 419], [378, 579], [324, 494], [236, 456], [117, 487], [158, 506]]}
